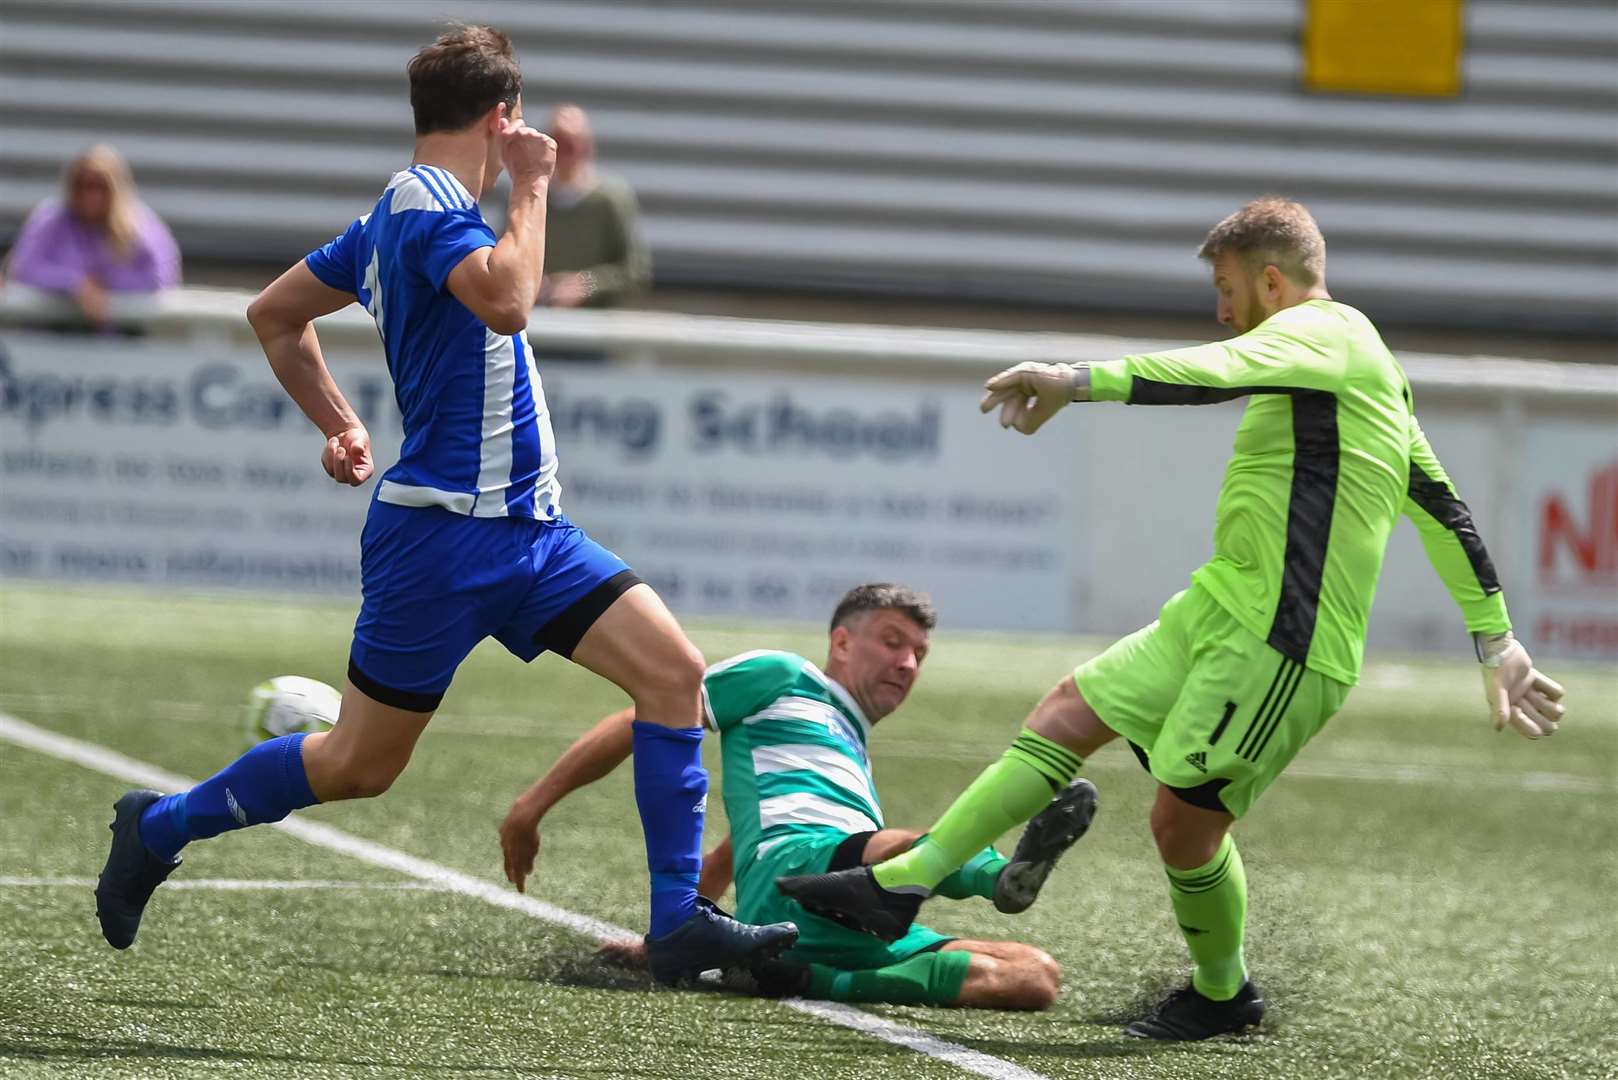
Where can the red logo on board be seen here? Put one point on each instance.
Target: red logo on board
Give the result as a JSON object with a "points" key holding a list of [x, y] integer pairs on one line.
{"points": [[1581, 554]]}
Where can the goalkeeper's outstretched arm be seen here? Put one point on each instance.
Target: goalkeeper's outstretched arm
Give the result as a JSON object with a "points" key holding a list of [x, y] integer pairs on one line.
{"points": [[1282, 356], [1517, 694]]}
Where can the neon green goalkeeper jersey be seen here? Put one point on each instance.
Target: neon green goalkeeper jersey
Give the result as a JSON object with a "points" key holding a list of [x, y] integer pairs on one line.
{"points": [[1327, 456], [794, 759]]}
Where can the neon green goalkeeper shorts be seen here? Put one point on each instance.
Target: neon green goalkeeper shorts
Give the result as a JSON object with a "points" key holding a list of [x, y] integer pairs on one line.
{"points": [[821, 941], [1211, 709]]}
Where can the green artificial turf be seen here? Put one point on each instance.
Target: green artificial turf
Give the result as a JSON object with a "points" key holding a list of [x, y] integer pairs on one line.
{"points": [[1428, 898]]}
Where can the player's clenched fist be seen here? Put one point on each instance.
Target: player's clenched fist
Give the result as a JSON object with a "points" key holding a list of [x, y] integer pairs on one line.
{"points": [[1030, 394], [526, 153], [347, 457]]}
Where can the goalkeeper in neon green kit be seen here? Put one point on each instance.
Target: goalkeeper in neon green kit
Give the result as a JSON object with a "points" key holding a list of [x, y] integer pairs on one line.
{"points": [[1241, 669]]}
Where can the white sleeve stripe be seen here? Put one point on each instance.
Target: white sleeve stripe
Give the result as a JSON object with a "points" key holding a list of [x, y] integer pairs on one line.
{"points": [[461, 196], [450, 188], [429, 175], [438, 196]]}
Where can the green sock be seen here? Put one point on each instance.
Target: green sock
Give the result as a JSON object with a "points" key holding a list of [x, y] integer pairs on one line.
{"points": [[976, 878], [933, 978], [1210, 904], [1007, 793]]}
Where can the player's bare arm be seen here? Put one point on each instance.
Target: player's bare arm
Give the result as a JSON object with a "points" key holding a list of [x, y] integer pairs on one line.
{"points": [[595, 754], [282, 316], [592, 756], [500, 285]]}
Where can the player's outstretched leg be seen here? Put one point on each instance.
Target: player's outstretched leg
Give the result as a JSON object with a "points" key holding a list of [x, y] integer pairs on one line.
{"points": [[967, 974], [976, 877], [360, 756], [1012, 884], [1044, 840], [637, 644], [883, 899]]}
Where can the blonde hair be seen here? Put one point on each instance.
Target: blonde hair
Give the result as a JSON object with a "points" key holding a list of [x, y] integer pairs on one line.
{"points": [[1271, 232], [123, 204]]}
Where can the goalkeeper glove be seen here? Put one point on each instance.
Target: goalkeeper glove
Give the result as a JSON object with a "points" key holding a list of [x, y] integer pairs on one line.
{"points": [[1031, 393], [1517, 694]]}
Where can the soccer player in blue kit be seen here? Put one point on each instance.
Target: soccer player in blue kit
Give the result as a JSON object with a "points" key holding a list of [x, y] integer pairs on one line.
{"points": [[464, 538]]}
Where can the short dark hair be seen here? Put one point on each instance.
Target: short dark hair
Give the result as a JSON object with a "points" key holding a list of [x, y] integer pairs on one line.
{"points": [[1271, 231], [465, 73], [882, 596]]}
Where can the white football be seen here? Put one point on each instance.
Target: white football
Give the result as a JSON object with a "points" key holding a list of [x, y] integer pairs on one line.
{"points": [[288, 704]]}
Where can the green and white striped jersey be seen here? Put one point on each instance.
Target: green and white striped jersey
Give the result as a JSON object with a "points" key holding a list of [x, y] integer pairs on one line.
{"points": [[793, 747]]}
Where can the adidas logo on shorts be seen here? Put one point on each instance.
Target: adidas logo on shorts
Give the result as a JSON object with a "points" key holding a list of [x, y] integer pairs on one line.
{"points": [[1199, 759]]}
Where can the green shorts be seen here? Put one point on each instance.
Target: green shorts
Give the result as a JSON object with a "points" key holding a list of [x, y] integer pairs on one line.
{"points": [[1212, 710], [821, 941]]}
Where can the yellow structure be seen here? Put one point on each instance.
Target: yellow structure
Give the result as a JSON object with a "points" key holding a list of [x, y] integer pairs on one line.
{"points": [[1383, 46]]}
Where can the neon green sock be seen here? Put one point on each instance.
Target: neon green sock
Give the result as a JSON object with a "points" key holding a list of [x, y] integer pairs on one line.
{"points": [[976, 878], [1007, 793], [933, 978], [1210, 904]]}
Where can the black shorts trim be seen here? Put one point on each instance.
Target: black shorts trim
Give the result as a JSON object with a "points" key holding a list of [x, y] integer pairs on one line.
{"points": [[1205, 795], [1141, 756], [936, 946], [850, 852], [408, 700], [562, 634]]}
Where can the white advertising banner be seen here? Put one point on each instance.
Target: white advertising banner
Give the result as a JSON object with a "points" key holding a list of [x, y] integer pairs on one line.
{"points": [[754, 493], [732, 492]]}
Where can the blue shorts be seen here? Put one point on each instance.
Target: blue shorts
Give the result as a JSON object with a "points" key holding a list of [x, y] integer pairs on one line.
{"points": [[436, 583]]}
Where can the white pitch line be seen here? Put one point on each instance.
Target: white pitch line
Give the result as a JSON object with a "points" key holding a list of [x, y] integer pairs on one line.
{"points": [[111, 763], [231, 884]]}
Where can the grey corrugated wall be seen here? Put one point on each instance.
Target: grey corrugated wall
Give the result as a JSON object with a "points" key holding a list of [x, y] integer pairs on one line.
{"points": [[1059, 152]]}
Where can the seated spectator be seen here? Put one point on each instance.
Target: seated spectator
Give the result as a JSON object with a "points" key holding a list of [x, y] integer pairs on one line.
{"points": [[594, 254], [98, 239]]}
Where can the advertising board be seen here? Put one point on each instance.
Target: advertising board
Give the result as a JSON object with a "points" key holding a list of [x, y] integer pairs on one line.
{"points": [[753, 492]]}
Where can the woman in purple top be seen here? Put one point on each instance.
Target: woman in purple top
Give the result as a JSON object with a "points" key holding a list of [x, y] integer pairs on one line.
{"points": [[99, 238]]}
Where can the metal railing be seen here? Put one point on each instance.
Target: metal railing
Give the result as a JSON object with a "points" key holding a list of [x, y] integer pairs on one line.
{"points": [[655, 337]]}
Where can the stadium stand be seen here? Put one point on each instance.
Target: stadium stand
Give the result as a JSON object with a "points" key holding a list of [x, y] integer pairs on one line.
{"points": [[1016, 150]]}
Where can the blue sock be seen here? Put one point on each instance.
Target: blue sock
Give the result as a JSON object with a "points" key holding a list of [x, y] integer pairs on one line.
{"points": [[671, 791], [265, 784]]}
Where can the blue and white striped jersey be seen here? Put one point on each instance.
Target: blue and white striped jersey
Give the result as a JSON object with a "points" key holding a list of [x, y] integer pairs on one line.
{"points": [[477, 434]]}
